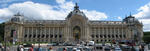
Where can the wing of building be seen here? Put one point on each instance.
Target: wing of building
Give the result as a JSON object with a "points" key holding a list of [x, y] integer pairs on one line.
{"points": [[76, 27]]}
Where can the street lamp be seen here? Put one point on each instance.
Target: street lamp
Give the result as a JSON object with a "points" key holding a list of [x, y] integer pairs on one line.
{"points": [[39, 26]]}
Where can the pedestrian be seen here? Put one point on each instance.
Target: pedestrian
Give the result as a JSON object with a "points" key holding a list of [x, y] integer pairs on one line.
{"points": [[2, 49], [39, 49], [8, 49], [50, 49], [31, 49], [142, 47], [18, 48], [65, 49], [21, 49], [132, 48]]}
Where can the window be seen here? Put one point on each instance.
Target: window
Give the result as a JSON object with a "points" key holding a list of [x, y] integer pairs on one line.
{"points": [[30, 36], [112, 36], [25, 36], [60, 36], [51, 36], [101, 36], [96, 36], [108, 36], [47, 36], [38, 36], [92, 36], [124, 36], [116, 36], [34, 36], [120, 36], [55, 36], [43, 36], [104, 36]]}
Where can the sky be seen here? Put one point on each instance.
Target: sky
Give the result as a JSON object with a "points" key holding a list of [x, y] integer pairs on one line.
{"points": [[108, 10]]}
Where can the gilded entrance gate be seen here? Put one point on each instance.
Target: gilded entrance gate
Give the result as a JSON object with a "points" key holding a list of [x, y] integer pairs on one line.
{"points": [[76, 33]]}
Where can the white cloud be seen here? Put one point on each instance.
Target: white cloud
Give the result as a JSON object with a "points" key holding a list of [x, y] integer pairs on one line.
{"points": [[33, 10], [94, 15], [144, 16], [144, 12], [60, 1], [120, 18]]}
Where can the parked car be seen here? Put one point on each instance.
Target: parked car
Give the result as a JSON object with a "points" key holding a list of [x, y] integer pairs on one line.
{"points": [[107, 49], [91, 43], [149, 46], [117, 49], [27, 45]]}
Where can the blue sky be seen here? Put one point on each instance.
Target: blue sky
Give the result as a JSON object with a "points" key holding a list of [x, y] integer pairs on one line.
{"points": [[113, 8], [109, 10]]}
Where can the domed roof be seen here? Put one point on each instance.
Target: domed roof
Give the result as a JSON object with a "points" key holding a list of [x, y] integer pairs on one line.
{"points": [[76, 11], [131, 19]]}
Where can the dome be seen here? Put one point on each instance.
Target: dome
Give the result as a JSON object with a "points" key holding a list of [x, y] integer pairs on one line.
{"points": [[76, 11], [130, 19], [17, 18]]}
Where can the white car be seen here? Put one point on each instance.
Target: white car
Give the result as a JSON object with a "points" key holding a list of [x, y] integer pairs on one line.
{"points": [[117, 49], [91, 43], [76, 49]]}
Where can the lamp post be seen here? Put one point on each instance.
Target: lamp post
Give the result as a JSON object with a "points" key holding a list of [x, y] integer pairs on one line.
{"points": [[39, 26]]}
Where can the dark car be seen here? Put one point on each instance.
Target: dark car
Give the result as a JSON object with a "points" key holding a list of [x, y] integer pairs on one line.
{"points": [[107, 49], [27, 45]]}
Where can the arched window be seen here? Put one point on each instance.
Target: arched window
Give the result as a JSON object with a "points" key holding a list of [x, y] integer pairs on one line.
{"points": [[92, 36], [43, 36], [47, 36], [109, 36], [116, 36], [96, 36], [51, 36], [38, 36], [30, 36], [25, 36], [112, 36], [60, 36], [120, 36], [55, 36], [34, 36], [104, 36]]}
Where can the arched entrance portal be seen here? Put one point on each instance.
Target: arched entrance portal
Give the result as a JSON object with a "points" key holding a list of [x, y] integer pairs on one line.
{"points": [[76, 33]]}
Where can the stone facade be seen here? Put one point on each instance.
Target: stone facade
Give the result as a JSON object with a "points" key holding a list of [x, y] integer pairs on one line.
{"points": [[76, 27]]}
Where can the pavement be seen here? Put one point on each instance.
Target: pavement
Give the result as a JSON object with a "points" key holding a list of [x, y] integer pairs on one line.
{"points": [[14, 48]]}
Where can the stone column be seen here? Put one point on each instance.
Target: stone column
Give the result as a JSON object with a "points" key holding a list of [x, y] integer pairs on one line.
{"points": [[114, 33]]}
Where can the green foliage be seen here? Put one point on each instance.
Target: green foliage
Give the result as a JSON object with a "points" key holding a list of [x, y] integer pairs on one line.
{"points": [[1, 32], [146, 37], [7, 43]]}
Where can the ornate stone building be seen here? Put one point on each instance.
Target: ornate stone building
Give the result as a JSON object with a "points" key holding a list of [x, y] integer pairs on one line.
{"points": [[76, 27]]}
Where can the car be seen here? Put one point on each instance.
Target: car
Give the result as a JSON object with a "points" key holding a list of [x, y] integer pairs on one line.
{"points": [[78, 49], [69, 49], [26, 49], [60, 49], [91, 43], [149, 46], [117, 49], [27, 45], [136, 48], [107, 49]]}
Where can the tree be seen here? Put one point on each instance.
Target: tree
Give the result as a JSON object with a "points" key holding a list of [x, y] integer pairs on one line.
{"points": [[1, 32], [146, 37]]}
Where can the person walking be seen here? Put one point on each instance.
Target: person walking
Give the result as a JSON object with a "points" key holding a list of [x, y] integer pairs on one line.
{"points": [[18, 48], [21, 49], [50, 49], [31, 49], [2, 49], [39, 49]]}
